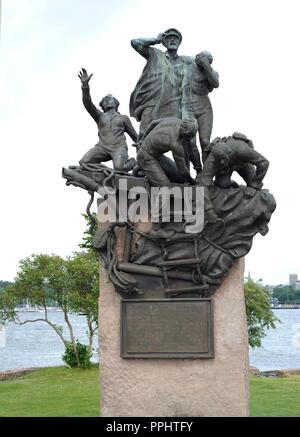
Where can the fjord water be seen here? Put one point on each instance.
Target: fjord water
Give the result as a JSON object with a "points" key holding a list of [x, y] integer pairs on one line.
{"points": [[36, 345]]}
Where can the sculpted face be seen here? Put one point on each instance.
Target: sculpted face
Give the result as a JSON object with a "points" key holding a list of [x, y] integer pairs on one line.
{"points": [[224, 160], [171, 42], [222, 153], [109, 102], [188, 128], [205, 55]]}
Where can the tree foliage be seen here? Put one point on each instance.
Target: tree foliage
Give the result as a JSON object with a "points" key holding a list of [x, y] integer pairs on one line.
{"points": [[4, 284], [286, 295], [260, 316], [84, 354], [88, 235]]}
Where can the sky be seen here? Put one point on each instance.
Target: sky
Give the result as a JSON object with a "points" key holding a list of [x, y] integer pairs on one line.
{"points": [[44, 127]]}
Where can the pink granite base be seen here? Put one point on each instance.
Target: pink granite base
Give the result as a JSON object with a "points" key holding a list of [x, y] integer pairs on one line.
{"points": [[178, 387]]}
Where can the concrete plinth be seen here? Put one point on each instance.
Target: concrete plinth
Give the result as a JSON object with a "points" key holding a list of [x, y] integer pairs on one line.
{"points": [[178, 387]]}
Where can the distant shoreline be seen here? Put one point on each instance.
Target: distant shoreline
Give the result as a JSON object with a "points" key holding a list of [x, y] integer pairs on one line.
{"points": [[17, 373], [274, 372], [286, 307], [254, 371]]}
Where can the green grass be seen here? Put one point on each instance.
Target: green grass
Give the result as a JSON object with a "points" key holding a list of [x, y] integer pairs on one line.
{"points": [[55, 391], [59, 391], [275, 397]]}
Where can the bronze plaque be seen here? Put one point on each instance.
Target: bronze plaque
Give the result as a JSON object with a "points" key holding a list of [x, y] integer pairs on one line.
{"points": [[167, 328]]}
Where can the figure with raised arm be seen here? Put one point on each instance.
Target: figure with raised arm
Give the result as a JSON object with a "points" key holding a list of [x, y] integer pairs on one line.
{"points": [[199, 81], [158, 91], [112, 127], [175, 86]]}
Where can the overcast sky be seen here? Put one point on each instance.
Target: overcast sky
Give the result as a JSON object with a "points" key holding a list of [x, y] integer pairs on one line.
{"points": [[44, 126]]}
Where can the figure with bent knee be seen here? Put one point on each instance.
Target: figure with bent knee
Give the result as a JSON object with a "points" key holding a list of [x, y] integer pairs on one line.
{"points": [[229, 154], [112, 127], [162, 136]]}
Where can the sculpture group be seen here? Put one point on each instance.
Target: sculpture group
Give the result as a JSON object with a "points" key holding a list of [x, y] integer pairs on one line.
{"points": [[171, 103]]}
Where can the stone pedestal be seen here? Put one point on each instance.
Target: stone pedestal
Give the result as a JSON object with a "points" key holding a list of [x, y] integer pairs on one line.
{"points": [[178, 387]]}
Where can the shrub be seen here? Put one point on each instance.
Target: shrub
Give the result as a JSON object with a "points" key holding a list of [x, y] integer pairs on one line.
{"points": [[83, 352]]}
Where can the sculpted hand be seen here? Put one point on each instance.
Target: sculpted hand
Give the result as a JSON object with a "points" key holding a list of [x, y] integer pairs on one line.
{"points": [[212, 217], [257, 186], [159, 38], [84, 77], [249, 191], [137, 144], [201, 61]]}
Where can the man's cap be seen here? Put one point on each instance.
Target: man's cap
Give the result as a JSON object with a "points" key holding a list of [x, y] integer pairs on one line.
{"points": [[240, 136], [172, 31]]}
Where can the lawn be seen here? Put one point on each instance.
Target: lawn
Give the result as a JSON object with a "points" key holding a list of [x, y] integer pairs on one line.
{"points": [[54, 391], [275, 397], [59, 391]]}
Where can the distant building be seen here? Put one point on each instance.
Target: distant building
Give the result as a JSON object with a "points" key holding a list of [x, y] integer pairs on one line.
{"points": [[293, 279], [297, 285]]}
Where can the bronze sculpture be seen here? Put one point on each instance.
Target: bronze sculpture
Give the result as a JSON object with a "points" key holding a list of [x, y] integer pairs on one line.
{"points": [[162, 136], [174, 86], [157, 93], [171, 102], [112, 127], [200, 81]]}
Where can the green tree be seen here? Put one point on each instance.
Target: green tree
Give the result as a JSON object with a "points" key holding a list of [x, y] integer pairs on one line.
{"points": [[286, 295], [4, 284], [260, 316], [72, 283], [88, 234]]}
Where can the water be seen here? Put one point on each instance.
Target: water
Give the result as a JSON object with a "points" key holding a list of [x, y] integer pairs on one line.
{"points": [[281, 347], [36, 345]]}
